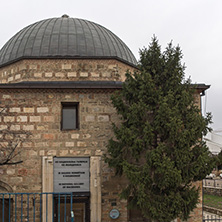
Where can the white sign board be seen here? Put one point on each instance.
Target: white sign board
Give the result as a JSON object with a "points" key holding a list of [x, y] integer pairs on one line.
{"points": [[71, 174]]}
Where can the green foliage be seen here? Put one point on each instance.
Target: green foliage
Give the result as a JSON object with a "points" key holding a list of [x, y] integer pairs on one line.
{"points": [[158, 145], [218, 160]]}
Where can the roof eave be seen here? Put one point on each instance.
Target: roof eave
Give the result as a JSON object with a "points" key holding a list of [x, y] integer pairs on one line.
{"points": [[201, 87], [63, 85], [69, 57]]}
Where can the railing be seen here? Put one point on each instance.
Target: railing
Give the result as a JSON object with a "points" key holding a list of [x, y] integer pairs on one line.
{"points": [[36, 207], [212, 183], [212, 218]]}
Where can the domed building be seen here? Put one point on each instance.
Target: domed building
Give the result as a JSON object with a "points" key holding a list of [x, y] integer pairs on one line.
{"points": [[72, 50], [57, 76]]}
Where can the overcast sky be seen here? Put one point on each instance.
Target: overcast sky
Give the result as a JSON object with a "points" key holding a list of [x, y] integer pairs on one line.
{"points": [[196, 25]]}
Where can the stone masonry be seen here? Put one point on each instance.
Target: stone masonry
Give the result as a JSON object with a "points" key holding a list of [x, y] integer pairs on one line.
{"points": [[64, 70], [39, 111]]}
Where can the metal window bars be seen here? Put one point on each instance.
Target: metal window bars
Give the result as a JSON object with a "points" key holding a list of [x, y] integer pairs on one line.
{"points": [[36, 207]]}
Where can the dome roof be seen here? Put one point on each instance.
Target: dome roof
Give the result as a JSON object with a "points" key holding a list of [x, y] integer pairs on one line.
{"points": [[65, 38]]}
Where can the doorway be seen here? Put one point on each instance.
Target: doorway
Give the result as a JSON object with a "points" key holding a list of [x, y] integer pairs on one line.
{"points": [[6, 208], [63, 211]]}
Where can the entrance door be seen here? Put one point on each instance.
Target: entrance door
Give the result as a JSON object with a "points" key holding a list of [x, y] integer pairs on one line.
{"points": [[80, 209]]}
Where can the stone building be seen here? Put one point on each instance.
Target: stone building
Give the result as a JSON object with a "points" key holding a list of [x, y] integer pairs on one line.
{"points": [[57, 76]]}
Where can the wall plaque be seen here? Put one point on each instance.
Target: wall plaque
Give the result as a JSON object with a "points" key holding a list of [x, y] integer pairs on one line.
{"points": [[114, 214], [71, 174]]}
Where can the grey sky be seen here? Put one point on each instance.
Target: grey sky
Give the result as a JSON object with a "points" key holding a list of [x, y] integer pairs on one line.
{"points": [[193, 24]]}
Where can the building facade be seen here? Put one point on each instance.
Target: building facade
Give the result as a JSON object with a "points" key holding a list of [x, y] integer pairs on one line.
{"points": [[214, 141], [57, 76]]}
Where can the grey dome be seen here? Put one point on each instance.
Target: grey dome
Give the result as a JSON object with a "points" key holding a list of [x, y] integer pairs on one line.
{"points": [[65, 38]]}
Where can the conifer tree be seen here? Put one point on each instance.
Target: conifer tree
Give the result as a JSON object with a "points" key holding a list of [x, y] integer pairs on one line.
{"points": [[158, 145]]}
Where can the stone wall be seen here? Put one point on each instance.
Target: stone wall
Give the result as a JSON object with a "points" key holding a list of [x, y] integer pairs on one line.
{"points": [[217, 191], [39, 112], [64, 70]]}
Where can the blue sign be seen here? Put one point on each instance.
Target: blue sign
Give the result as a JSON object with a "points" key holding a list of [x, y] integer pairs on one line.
{"points": [[114, 214]]}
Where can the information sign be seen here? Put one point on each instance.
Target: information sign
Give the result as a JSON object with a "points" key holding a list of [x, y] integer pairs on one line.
{"points": [[71, 174]]}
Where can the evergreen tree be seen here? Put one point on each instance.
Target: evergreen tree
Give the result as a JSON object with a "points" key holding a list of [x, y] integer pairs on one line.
{"points": [[158, 145], [218, 160]]}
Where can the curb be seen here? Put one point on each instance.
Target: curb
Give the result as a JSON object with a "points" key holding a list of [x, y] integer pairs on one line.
{"points": [[212, 210]]}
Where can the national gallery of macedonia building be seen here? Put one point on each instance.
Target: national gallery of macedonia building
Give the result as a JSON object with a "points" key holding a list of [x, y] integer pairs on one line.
{"points": [[56, 79]]}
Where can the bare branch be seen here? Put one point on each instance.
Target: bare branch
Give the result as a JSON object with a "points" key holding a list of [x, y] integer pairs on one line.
{"points": [[10, 141]]}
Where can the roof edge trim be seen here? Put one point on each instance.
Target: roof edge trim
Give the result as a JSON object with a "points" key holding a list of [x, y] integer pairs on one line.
{"points": [[63, 85], [78, 85], [68, 57]]}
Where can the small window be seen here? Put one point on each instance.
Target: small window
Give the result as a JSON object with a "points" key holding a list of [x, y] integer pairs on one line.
{"points": [[69, 116]]}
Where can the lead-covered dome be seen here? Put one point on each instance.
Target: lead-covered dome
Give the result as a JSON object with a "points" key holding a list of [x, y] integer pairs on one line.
{"points": [[65, 38]]}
